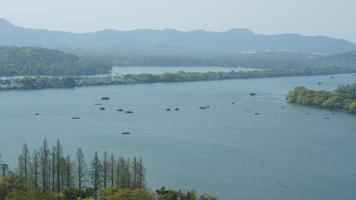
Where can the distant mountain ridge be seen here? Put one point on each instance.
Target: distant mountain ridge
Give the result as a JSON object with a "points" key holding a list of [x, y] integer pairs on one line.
{"points": [[168, 41]]}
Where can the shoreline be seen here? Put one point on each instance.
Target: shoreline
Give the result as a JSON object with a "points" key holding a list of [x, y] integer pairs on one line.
{"points": [[37, 83]]}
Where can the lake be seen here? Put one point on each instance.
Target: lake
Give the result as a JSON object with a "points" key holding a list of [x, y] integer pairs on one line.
{"points": [[226, 150]]}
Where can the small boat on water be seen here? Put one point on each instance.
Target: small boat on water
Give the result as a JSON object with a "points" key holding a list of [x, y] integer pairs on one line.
{"points": [[129, 112], [37, 114], [257, 113], [125, 133], [204, 107], [75, 117], [105, 98], [319, 83], [98, 104], [102, 108], [168, 109], [119, 110], [232, 102], [252, 94], [176, 109]]}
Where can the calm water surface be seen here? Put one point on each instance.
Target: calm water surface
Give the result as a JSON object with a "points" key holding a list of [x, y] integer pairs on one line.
{"points": [[226, 150]]}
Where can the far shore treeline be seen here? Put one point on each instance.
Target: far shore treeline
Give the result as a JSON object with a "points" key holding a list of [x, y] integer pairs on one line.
{"points": [[35, 61], [28, 83], [342, 99], [47, 174]]}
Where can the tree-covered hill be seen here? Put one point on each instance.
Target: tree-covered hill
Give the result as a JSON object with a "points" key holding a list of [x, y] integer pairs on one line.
{"points": [[40, 61]]}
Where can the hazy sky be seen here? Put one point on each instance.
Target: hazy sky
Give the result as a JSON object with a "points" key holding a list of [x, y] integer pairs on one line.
{"points": [[336, 18]]}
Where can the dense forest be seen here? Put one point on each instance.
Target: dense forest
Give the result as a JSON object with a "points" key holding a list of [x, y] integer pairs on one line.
{"points": [[343, 98], [39, 61], [48, 174]]}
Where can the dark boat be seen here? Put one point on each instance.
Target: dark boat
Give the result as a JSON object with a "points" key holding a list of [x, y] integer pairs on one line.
{"points": [[232, 102], [326, 117], [176, 109], [75, 117], [105, 98], [168, 109], [252, 94], [125, 133], [98, 104], [37, 114], [102, 108], [119, 110], [257, 113], [129, 112], [204, 107], [319, 83]]}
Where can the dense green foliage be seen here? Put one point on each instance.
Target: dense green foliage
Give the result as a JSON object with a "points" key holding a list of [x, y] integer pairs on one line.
{"points": [[70, 82], [112, 194], [47, 174], [39, 61], [343, 98]]}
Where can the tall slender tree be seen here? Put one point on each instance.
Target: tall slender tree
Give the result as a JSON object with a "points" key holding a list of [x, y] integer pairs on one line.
{"points": [[80, 168], [112, 170], [24, 166], [68, 172], [35, 169], [95, 175], [105, 168], [141, 174], [53, 169], [44, 165], [58, 166]]}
